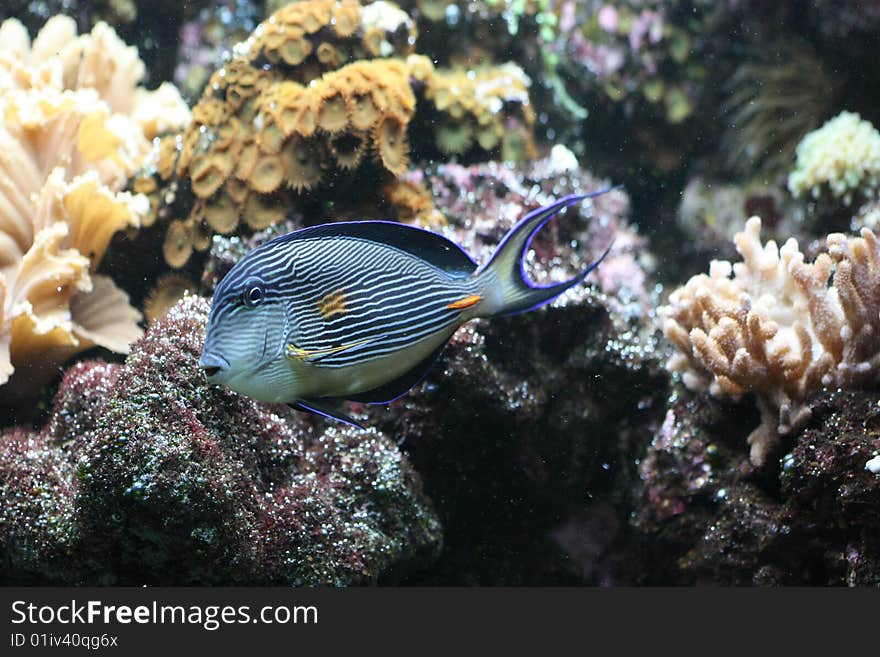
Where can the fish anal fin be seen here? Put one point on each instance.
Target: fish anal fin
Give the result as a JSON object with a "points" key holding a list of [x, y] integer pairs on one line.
{"points": [[466, 302], [325, 408], [387, 393]]}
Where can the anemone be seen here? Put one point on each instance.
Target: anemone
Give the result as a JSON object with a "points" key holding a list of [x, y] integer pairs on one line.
{"points": [[778, 94]]}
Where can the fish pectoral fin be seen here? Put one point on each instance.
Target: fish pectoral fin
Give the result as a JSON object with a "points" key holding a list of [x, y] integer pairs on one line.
{"points": [[466, 302], [324, 407], [314, 355]]}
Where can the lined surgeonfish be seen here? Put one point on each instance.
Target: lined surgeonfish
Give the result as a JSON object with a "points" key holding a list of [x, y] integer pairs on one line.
{"points": [[360, 310]]}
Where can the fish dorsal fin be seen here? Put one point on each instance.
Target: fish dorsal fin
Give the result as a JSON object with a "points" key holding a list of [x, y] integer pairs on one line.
{"points": [[393, 389], [431, 247]]}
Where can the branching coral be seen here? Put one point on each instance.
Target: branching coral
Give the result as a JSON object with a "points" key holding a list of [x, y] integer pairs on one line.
{"points": [[772, 325], [843, 156], [69, 140]]}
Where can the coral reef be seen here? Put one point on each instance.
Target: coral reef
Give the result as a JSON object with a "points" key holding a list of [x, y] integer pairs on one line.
{"points": [[75, 127], [470, 103], [772, 325], [319, 99], [636, 51], [205, 41], [712, 518], [841, 158], [147, 475], [261, 133], [520, 411]]}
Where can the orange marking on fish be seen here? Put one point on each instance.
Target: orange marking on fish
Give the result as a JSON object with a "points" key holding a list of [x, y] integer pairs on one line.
{"points": [[467, 302], [332, 304]]}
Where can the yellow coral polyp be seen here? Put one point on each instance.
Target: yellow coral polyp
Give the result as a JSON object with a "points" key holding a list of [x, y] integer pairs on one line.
{"points": [[201, 233], [262, 211], [330, 55], [167, 291], [489, 136], [454, 137], [333, 115], [237, 189], [294, 51], [221, 214], [413, 202], [247, 161], [302, 159], [267, 174], [177, 247], [315, 15], [363, 111], [346, 17], [420, 68], [348, 149], [293, 107], [209, 111], [270, 137], [390, 142], [373, 39], [208, 172]]}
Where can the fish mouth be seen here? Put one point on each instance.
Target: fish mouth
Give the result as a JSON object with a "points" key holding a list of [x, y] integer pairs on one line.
{"points": [[213, 366]]}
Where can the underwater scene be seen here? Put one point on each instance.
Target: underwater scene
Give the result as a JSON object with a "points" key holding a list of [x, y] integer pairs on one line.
{"points": [[439, 292]]}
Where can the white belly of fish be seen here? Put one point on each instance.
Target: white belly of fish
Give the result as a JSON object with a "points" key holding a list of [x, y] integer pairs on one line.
{"points": [[316, 381]]}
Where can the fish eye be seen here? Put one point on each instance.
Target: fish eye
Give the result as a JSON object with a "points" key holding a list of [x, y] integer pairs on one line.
{"points": [[253, 293]]}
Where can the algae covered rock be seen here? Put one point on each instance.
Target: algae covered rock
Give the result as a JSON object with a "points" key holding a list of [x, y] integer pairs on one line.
{"points": [[170, 481], [712, 517]]}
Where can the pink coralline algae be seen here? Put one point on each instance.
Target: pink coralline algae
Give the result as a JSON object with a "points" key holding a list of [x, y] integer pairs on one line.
{"points": [[639, 52], [146, 475]]}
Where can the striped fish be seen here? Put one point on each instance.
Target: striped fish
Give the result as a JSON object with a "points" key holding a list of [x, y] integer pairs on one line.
{"points": [[360, 310]]}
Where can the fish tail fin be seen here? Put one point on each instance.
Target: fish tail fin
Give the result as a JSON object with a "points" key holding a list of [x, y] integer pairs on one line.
{"points": [[506, 285]]}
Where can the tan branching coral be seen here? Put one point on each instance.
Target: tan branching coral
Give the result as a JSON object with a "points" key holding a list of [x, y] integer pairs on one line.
{"points": [[75, 126], [778, 327]]}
